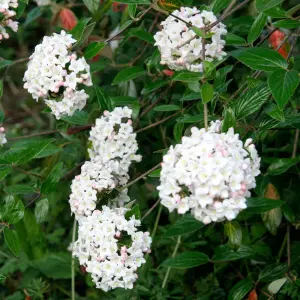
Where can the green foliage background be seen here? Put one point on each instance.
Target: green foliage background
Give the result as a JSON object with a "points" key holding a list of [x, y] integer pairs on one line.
{"points": [[255, 90]]}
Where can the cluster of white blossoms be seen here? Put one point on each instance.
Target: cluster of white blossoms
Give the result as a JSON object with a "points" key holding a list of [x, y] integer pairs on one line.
{"points": [[111, 248], [6, 13], [113, 148], [181, 48], [3, 139], [209, 173], [55, 74]]}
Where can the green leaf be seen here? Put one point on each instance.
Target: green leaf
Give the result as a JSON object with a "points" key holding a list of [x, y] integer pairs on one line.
{"points": [[272, 272], [233, 232], [186, 76], [19, 189], [78, 118], [186, 260], [103, 100], [224, 253], [86, 33], [262, 59], [155, 174], [190, 119], [287, 24], [1, 94], [2, 278], [4, 63], [275, 286], [229, 120], [132, 10], [177, 131], [54, 265], [293, 10], [41, 210], [288, 213], [192, 96], [219, 5], [251, 101], [135, 211], [272, 219], [261, 205], [241, 289], [12, 210], [52, 179], [128, 74], [257, 27], [99, 65], [167, 107], [283, 84], [78, 30], [207, 92], [4, 171], [153, 86], [142, 35], [282, 165], [234, 40], [186, 224], [12, 241], [276, 13], [92, 5], [263, 5], [134, 1], [33, 15], [93, 49], [170, 5], [21, 8]]}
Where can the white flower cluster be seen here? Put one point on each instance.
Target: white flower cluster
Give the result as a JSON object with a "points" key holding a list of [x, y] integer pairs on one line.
{"points": [[179, 45], [3, 139], [54, 73], [113, 149], [209, 173], [111, 248], [6, 14]]}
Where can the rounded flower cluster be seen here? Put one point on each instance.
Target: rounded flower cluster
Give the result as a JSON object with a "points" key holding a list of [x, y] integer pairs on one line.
{"points": [[180, 46], [111, 248], [6, 14], [113, 148], [3, 139], [209, 173], [55, 74]]}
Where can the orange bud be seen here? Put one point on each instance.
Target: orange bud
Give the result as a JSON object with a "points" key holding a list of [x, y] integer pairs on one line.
{"points": [[83, 269], [67, 19], [276, 39], [252, 295], [168, 72]]}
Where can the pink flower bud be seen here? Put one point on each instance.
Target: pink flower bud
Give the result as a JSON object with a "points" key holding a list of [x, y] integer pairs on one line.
{"points": [[105, 113]]}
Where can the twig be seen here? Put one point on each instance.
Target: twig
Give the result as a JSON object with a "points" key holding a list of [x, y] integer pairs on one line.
{"points": [[33, 135], [26, 172], [173, 255], [73, 261], [150, 210], [293, 45], [205, 110], [138, 178]]}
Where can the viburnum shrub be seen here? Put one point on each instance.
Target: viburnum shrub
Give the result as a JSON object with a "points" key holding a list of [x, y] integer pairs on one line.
{"points": [[163, 160]]}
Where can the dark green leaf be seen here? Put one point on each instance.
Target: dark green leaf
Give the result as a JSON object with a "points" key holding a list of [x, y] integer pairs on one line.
{"points": [[262, 59], [78, 118], [52, 179], [235, 40], [153, 86], [192, 96], [272, 272], [4, 171], [251, 101], [218, 5], [155, 173], [263, 5], [190, 119], [260, 205], [288, 213], [186, 224], [186, 260], [78, 30], [103, 100], [93, 49], [229, 120], [167, 107], [276, 12], [135, 211], [132, 10], [224, 253], [11, 210], [86, 33], [128, 74], [4, 63], [186, 76], [282, 165], [207, 92], [92, 5], [177, 131], [21, 8], [2, 278], [283, 84], [241, 289], [257, 27], [287, 24], [33, 14], [20, 189], [142, 35], [12, 241], [41, 210]]}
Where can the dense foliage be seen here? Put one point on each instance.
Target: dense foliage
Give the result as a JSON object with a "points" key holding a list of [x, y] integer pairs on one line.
{"points": [[248, 78]]}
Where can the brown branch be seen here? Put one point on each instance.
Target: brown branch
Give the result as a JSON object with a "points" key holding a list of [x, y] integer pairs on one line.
{"points": [[26, 172]]}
